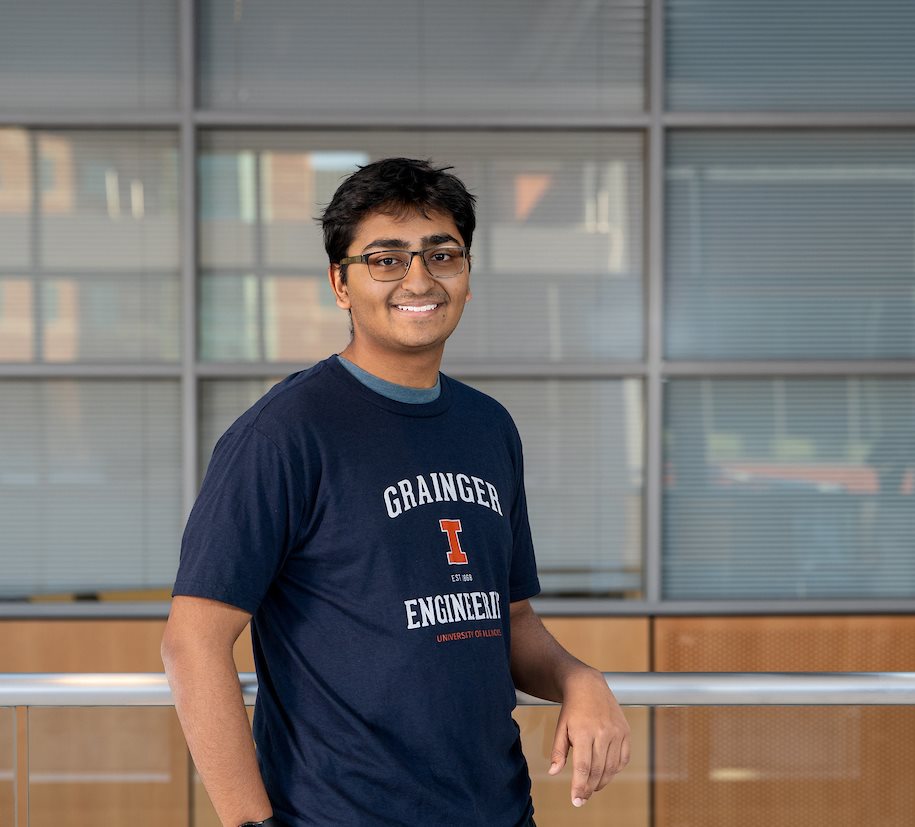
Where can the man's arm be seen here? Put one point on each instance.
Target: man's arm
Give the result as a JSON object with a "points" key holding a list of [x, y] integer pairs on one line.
{"points": [[590, 721], [197, 653]]}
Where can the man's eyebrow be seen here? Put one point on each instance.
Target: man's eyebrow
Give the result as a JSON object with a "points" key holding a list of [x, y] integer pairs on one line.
{"points": [[387, 244], [439, 238], [400, 244]]}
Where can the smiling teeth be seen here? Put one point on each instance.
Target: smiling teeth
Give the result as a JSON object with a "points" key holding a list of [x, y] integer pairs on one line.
{"points": [[413, 309]]}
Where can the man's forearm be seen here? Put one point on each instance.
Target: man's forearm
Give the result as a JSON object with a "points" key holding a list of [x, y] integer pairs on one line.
{"points": [[540, 665], [211, 709]]}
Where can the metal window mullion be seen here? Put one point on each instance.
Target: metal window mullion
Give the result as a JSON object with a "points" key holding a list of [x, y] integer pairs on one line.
{"points": [[788, 120], [188, 213], [86, 370], [611, 606], [654, 315], [90, 119], [503, 122], [353, 121], [774, 369]]}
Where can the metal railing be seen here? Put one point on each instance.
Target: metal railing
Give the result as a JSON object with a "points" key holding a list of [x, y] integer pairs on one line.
{"points": [[630, 688]]}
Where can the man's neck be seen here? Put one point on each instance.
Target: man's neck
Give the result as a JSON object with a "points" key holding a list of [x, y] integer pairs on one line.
{"points": [[412, 370]]}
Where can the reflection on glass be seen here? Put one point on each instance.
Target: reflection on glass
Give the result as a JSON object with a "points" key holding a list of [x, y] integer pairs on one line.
{"points": [[782, 765], [624, 803], [16, 320], [789, 245], [109, 200], [789, 488], [15, 197], [557, 256], [230, 311], [95, 274], [107, 765], [133, 316], [467, 59], [583, 476], [90, 495], [302, 322]]}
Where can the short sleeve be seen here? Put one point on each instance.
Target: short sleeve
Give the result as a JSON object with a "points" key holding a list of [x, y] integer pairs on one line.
{"points": [[243, 522], [523, 581]]}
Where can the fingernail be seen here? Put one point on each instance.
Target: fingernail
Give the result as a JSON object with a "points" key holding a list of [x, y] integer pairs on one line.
{"points": [[553, 766], [578, 802]]}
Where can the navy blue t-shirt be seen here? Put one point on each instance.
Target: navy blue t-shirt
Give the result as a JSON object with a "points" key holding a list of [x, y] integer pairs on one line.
{"points": [[378, 545]]}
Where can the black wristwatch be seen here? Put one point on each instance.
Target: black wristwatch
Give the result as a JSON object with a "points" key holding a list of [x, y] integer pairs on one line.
{"points": [[270, 822]]}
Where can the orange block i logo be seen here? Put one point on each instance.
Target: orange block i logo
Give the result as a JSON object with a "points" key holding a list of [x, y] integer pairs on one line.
{"points": [[456, 555]]}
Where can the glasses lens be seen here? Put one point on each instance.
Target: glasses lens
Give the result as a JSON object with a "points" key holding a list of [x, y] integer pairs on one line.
{"points": [[388, 265], [443, 262]]}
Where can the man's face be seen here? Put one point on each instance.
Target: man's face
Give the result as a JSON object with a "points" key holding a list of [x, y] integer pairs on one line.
{"points": [[382, 320]]}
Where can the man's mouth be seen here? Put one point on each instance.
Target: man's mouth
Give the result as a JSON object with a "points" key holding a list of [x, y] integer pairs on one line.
{"points": [[416, 308]]}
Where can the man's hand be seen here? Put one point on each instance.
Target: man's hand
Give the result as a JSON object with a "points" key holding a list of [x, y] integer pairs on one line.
{"points": [[590, 721], [593, 725]]}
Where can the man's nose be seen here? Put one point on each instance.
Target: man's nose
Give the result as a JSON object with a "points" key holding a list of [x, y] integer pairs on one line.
{"points": [[417, 278]]}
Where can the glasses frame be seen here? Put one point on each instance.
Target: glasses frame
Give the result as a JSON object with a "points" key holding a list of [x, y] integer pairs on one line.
{"points": [[364, 259]]}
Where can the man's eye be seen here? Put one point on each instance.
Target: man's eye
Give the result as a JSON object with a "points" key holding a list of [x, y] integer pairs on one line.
{"points": [[442, 255], [387, 261]]}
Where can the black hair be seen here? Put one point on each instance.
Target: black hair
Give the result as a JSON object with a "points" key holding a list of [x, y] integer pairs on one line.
{"points": [[397, 187]]}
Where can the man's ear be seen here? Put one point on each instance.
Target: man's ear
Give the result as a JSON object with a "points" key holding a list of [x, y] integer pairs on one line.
{"points": [[338, 285]]}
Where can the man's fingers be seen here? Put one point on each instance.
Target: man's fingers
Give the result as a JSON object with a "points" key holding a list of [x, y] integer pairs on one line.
{"points": [[599, 763], [560, 749], [613, 765], [618, 756], [582, 785]]}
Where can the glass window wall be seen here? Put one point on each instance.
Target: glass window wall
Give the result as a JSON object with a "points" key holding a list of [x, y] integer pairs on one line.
{"points": [[757, 345]]}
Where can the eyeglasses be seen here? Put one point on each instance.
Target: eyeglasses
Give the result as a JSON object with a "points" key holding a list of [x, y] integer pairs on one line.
{"points": [[393, 265]]}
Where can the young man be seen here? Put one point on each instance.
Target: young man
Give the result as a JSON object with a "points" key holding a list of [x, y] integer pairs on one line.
{"points": [[368, 516]]}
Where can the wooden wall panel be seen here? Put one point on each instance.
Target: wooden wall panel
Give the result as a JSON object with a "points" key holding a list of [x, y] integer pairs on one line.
{"points": [[7, 765], [785, 644], [611, 645], [80, 645], [106, 766], [818, 767], [99, 765]]}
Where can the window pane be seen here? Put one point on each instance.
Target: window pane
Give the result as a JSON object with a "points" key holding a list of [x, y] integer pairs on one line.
{"points": [[222, 401], [583, 476], [584, 483], [90, 485], [94, 277], [791, 245], [840, 55], [433, 58], [557, 253], [59, 55], [789, 488], [128, 316]]}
